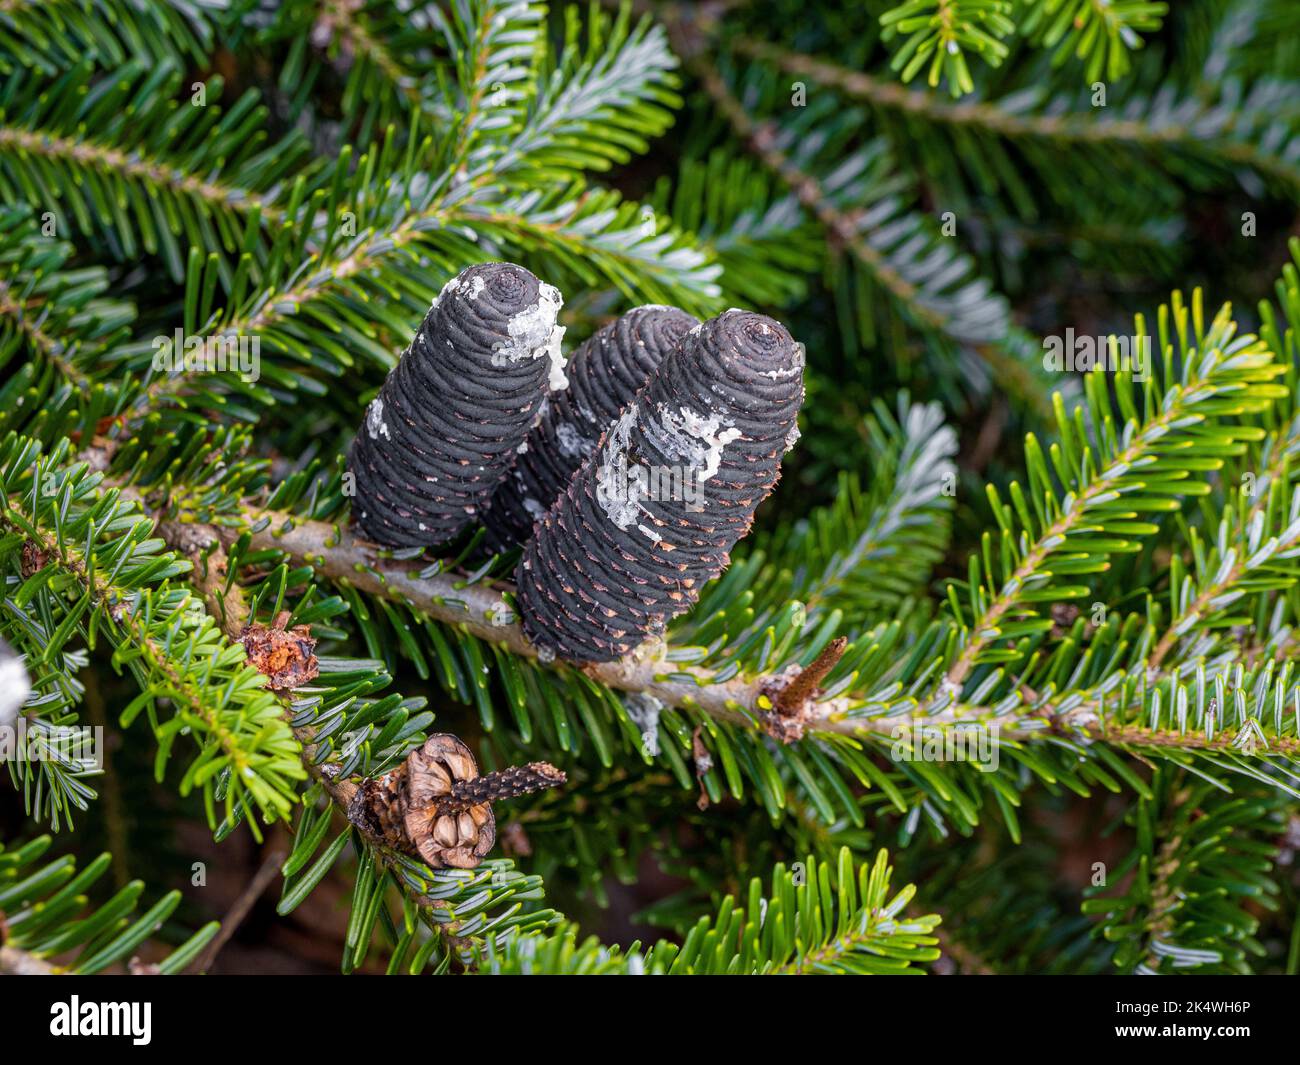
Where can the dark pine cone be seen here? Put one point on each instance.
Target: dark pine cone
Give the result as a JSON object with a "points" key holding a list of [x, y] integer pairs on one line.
{"points": [[604, 374], [654, 512], [444, 429]]}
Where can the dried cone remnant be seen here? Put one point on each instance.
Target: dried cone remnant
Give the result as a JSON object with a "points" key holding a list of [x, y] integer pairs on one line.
{"points": [[604, 375], [437, 806], [654, 512], [286, 656], [446, 424]]}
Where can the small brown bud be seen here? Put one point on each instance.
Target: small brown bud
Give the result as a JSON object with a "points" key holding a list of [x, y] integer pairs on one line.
{"points": [[32, 559], [286, 656]]}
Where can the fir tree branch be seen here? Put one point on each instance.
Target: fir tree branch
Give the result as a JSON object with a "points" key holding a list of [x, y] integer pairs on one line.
{"points": [[66, 536], [25, 314], [1228, 140], [846, 232], [835, 918], [1107, 714], [51, 35], [590, 232], [1247, 553], [151, 172], [46, 916], [869, 551], [847, 728], [596, 102], [1136, 460], [227, 604], [938, 31], [55, 313], [204, 545], [343, 21], [183, 689], [116, 152], [759, 137], [340, 556], [1200, 877]]}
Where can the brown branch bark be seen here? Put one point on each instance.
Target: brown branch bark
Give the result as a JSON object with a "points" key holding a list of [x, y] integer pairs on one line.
{"points": [[479, 609], [15, 962], [268, 871], [338, 555]]}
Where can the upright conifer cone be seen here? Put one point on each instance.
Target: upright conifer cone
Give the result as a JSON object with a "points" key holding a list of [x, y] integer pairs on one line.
{"points": [[604, 374], [654, 512], [446, 424]]}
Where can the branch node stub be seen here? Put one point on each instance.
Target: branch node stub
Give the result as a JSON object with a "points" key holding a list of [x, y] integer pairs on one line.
{"points": [[785, 702]]}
